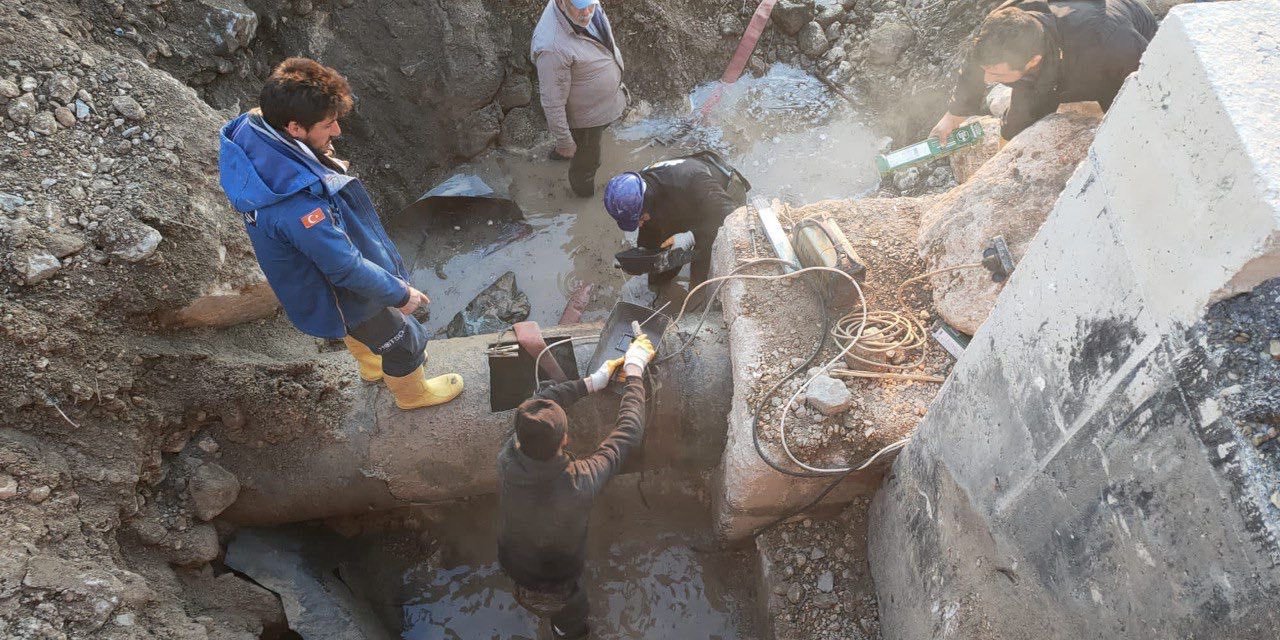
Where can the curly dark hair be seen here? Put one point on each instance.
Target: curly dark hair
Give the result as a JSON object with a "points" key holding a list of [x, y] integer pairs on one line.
{"points": [[304, 91], [1009, 35]]}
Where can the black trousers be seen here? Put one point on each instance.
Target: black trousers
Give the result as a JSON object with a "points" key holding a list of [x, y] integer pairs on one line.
{"points": [[401, 340], [585, 162], [566, 606]]}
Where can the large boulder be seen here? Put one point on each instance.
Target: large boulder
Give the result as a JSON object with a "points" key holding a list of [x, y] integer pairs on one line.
{"points": [[792, 15], [1010, 196], [967, 161]]}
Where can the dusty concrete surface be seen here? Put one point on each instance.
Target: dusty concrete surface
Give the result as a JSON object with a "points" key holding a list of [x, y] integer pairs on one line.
{"points": [[1090, 470], [774, 326]]}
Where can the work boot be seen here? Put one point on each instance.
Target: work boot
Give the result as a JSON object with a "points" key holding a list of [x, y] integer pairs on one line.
{"points": [[415, 391], [370, 363]]}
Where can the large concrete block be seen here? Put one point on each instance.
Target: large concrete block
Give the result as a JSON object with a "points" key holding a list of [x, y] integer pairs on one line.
{"points": [[1081, 475]]}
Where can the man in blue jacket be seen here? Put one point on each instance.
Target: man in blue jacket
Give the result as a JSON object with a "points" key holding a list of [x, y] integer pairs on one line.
{"points": [[316, 233]]}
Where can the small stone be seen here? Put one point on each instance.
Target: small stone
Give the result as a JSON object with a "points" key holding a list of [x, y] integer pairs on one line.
{"points": [[128, 107], [908, 179], [44, 123], [62, 88], [212, 489], [795, 593], [62, 245], [22, 109], [8, 487], [826, 582], [817, 554], [1274, 349], [133, 241], [39, 494], [208, 445], [38, 266], [8, 89], [64, 117], [10, 202], [828, 395], [812, 40], [29, 84], [887, 42], [82, 110], [1275, 498]]}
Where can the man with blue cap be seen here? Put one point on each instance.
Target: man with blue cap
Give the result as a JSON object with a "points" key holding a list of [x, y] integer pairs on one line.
{"points": [[679, 203], [580, 83]]}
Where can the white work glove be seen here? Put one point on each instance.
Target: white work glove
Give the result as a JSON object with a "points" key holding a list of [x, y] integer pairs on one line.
{"points": [[600, 379], [679, 241], [638, 355]]}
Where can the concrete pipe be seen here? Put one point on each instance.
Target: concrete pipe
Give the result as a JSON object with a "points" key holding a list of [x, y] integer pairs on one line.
{"points": [[382, 457]]}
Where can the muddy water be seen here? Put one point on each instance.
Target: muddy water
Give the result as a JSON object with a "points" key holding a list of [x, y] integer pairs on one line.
{"points": [[646, 577], [785, 131]]}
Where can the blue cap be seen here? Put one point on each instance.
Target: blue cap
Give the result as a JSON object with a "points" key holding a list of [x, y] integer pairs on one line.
{"points": [[583, 4], [624, 199]]}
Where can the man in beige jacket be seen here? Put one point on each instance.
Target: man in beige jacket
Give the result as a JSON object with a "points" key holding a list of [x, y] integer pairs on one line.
{"points": [[580, 76]]}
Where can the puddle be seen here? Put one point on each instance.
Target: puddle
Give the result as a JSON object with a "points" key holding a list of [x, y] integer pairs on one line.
{"points": [[785, 131], [645, 577]]}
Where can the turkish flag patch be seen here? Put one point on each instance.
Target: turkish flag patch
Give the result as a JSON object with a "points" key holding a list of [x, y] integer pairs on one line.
{"points": [[312, 219]]}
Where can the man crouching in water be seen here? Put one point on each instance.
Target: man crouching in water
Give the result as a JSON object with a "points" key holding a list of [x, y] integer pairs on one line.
{"points": [[545, 496]]}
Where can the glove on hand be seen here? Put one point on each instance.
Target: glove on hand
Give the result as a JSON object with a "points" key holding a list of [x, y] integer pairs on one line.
{"points": [[600, 379], [640, 352], [679, 241]]}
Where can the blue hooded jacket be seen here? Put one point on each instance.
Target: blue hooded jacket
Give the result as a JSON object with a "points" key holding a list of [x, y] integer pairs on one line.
{"points": [[314, 230]]}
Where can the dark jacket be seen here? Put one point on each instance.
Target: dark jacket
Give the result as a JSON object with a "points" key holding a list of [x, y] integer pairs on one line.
{"points": [[685, 194], [543, 505], [1090, 47], [314, 230]]}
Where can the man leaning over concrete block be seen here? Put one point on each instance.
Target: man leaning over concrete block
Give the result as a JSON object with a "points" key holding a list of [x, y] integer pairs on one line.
{"points": [[317, 236], [580, 80], [1049, 52]]}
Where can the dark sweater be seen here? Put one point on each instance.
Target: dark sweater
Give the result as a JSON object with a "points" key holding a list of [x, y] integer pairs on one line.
{"points": [[1090, 47], [681, 195], [543, 505]]}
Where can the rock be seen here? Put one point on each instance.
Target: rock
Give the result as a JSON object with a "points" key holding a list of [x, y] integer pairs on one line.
{"points": [[22, 109], [82, 110], [794, 593], [8, 89], [225, 303], [212, 490], [231, 25], [1010, 195], [29, 84], [520, 129], [39, 494], [44, 123], [998, 100], [478, 130], [194, 547], [129, 240], [37, 266], [517, 91], [62, 244], [824, 601], [826, 582], [828, 395], [832, 32], [10, 202], [499, 306], [791, 15], [966, 162], [812, 41], [828, 13], [128, 107], [8, 487], [887, 42], [906, 179], [62, 88], [64, 117]]}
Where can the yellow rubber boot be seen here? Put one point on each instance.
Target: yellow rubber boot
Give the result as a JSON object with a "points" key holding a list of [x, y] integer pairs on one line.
{"points": [[370, 362], [415, 391]]}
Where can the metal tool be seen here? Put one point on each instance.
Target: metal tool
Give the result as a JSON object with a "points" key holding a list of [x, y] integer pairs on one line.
{"points": [[821, 243], [998, 260], [773, 231]]}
